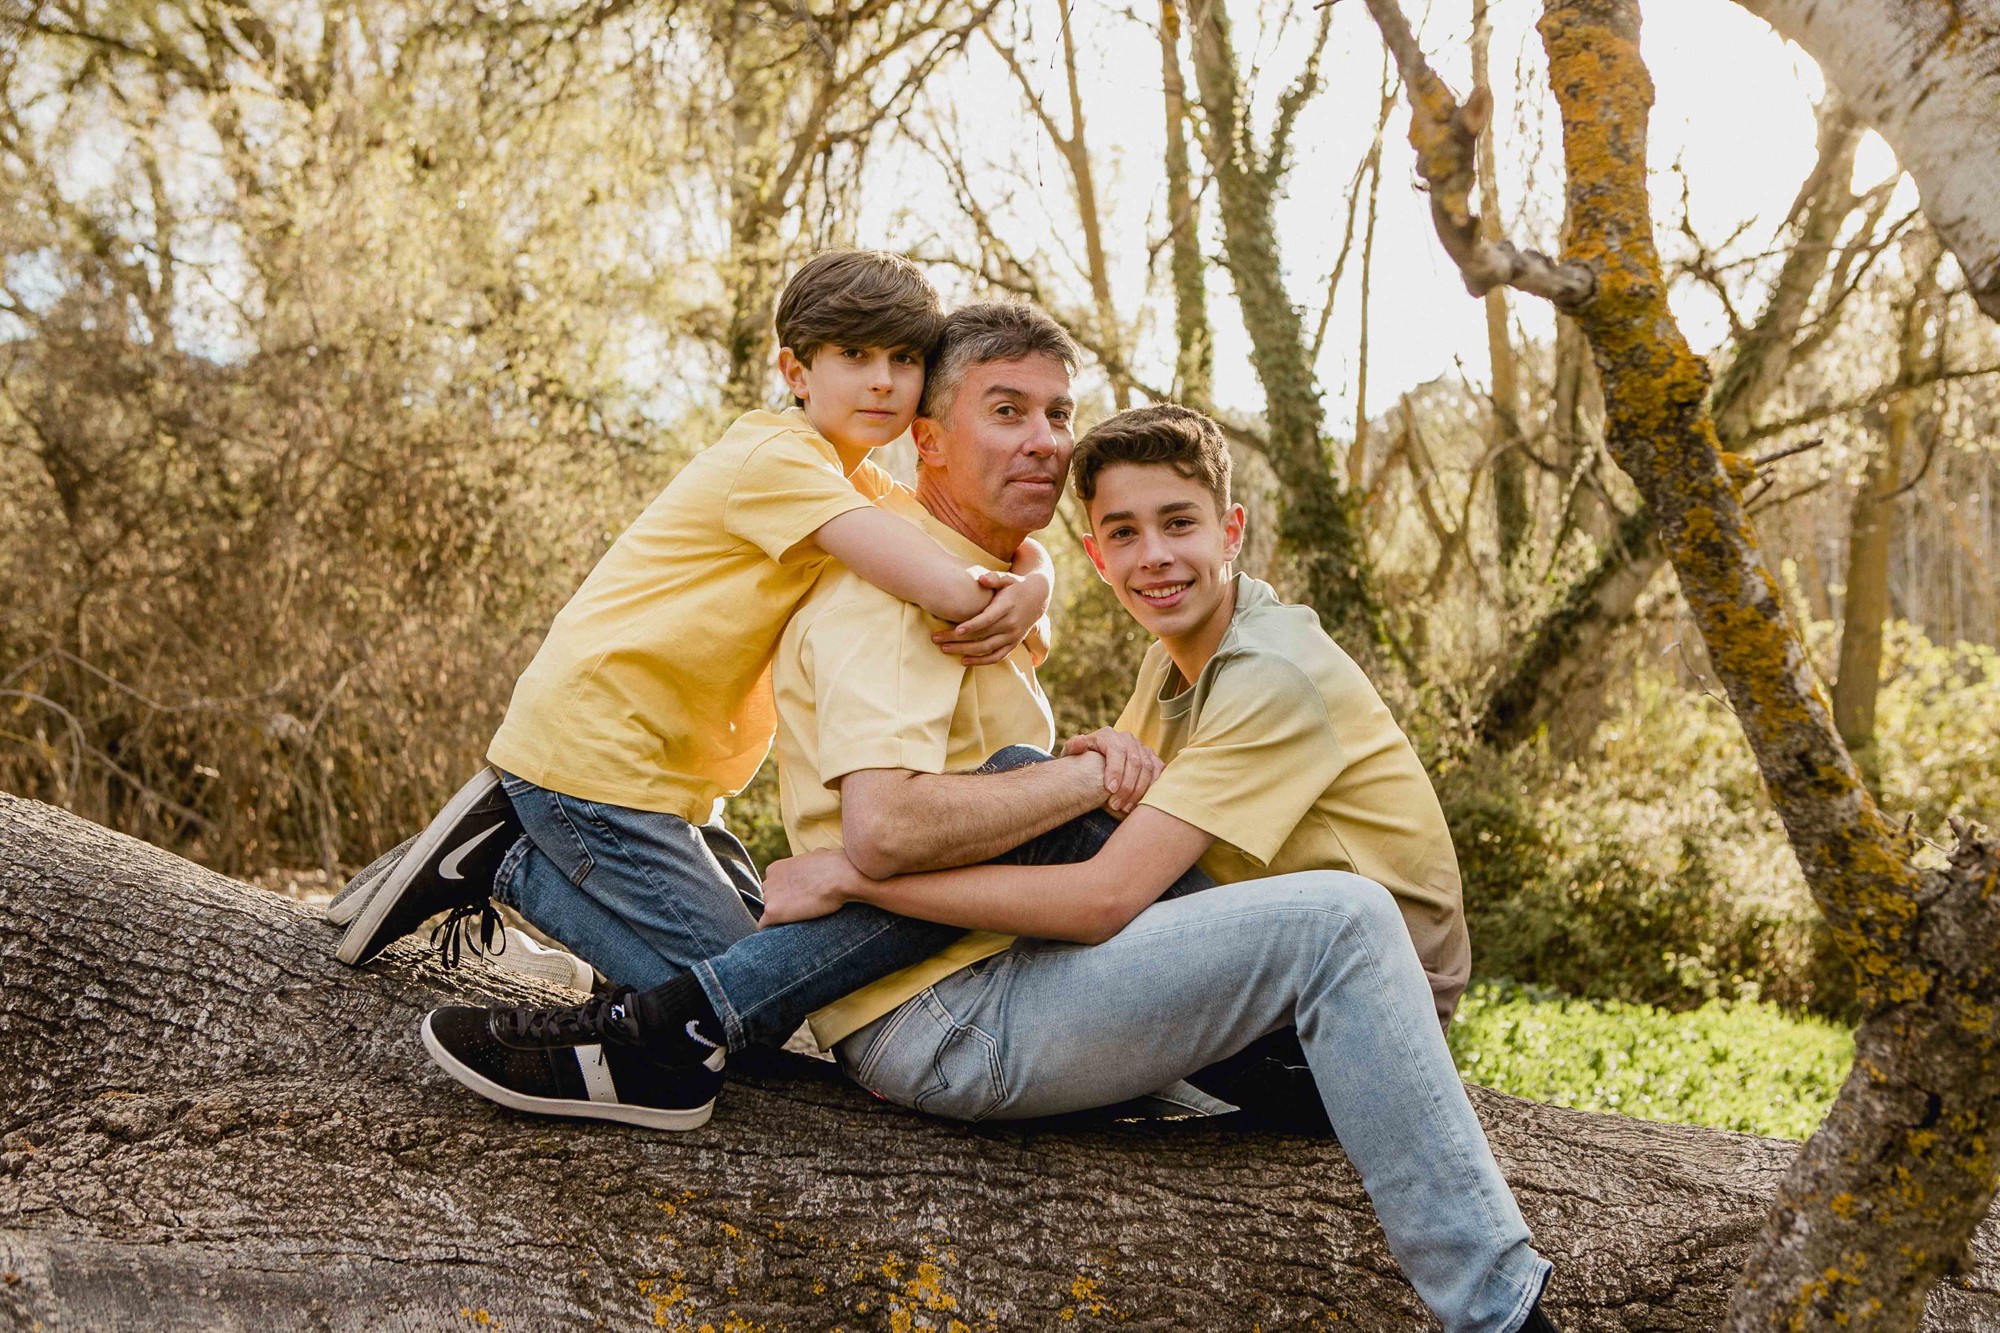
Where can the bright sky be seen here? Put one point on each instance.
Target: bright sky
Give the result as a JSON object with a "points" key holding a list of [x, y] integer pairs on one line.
{"points": [[1734, 107]]}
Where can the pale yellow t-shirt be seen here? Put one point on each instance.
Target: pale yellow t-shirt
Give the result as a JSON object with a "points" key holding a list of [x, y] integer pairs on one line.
{"points": [[652, 689], [860, 685], [1284, 751]]}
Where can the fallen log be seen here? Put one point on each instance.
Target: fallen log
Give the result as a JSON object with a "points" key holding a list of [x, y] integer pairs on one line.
{"points": [[208, 1123]]}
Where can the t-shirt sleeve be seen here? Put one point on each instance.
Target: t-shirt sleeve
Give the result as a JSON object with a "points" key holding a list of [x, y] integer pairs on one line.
{"points": [[786, 490], [883, 695], [1261, 753]]}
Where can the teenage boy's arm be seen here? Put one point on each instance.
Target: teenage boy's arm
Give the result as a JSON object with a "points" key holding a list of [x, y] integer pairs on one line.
{"points": [[894, 821], [900, 558], [1089, 902]]}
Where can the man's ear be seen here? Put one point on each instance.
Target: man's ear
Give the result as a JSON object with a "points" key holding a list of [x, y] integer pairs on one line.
{"points": [[924, 434], [1233, 523], [1096, 556], [794, 371]]}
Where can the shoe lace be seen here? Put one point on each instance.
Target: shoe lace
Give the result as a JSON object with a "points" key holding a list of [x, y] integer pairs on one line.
{"points": [[448, 937], [602, 1019]]}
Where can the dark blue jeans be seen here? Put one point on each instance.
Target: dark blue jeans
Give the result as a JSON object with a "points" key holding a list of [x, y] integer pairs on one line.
{"points": [[767, 982]]}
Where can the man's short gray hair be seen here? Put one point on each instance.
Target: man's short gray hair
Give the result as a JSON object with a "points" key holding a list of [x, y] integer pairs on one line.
{"points": [[990, 331]]}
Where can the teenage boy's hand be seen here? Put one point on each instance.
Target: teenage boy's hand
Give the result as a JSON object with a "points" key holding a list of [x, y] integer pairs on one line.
{"points": [[800, 888], [1018, 605], [1129, 766]]}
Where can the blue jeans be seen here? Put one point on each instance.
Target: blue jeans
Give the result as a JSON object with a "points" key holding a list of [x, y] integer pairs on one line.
{"points": [[640, 896], [1050, 1027], [765, 984]]}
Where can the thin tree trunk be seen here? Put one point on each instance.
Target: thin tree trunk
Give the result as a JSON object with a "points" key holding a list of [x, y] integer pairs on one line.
{"points": [[208, 1124], [1318, 530], [1873, 528], [755, 207], [1194, 360], [1077, 150], [1506, 440]]}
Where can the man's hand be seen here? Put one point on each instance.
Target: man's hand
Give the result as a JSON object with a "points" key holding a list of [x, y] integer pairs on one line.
{"points": [[1129, 766], [1018, 605], [800, 888]]}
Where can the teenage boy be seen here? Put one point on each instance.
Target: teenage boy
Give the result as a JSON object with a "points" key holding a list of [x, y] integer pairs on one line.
{"points": [[650, 699], [1280, 757]]}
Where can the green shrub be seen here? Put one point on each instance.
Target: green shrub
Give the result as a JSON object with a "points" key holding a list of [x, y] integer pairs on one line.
{"points": [[1742, 1066]]}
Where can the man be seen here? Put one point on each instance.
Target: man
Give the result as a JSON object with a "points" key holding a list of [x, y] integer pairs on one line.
{"points": [[1116, 997]]}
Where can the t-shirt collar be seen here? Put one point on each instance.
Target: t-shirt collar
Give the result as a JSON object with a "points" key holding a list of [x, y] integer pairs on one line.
{"points": [[1175, 703]]}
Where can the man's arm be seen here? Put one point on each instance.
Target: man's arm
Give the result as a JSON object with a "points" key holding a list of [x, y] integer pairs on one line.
{"points": [[1089, 902], [893, 821]]}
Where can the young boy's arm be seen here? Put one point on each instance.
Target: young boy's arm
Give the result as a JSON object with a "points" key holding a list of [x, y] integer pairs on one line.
{"points": [[899, 557], [1088, 902], [991, 635]]}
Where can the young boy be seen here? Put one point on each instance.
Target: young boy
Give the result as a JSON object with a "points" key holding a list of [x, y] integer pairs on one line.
{"points": [[649, 702]]}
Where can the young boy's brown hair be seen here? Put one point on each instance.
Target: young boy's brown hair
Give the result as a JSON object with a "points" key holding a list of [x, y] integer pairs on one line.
{"points": [[1167, 433], [858, 298]]}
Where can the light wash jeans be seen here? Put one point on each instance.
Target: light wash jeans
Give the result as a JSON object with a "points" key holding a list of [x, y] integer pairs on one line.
{"points": [[638, 895], [1050, 1027], [763, 987]]}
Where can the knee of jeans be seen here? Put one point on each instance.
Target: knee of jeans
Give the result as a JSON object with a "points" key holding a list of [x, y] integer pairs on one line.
{"points": [[1362, 902], [1015, 756]]}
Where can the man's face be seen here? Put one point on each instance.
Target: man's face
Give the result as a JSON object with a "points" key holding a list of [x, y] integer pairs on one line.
{"points": [[1158, 540], [1002, 450]]}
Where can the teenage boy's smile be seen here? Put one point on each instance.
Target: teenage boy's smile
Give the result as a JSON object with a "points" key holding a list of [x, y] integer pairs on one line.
{"points": [[1158, 539]]}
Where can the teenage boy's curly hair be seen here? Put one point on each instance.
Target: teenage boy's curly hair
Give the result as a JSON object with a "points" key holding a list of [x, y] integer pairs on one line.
{"points": [[1180, 437], [990, 331], [858, 298]]}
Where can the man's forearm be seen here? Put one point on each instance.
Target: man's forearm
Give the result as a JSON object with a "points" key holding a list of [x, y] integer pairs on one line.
{"points": [[896, 822]]}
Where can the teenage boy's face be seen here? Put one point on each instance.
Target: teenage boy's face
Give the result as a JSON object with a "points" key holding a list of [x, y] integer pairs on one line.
{"points": [[1158, 540], [857, 397]]}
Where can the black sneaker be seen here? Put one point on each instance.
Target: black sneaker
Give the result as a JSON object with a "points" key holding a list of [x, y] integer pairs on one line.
{"points": [[581, 1061], [449, 868], [350, 900]]}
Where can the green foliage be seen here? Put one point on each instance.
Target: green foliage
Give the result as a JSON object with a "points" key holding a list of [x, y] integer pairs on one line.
{"points": [[1742, 1066], [1650, 869], [1937, 729]]}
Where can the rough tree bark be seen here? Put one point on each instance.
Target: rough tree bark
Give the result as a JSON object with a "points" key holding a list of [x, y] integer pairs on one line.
{"points": [[1882, 1201], [1567, 655], [207, 1123], [1194, 343], [1925, 74]]}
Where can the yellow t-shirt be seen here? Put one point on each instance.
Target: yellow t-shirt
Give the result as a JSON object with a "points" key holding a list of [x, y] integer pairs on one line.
{"points": [[1285, 752], [652, 689], [859, 685]]}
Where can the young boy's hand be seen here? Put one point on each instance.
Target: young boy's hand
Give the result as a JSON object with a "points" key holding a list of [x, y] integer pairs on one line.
{"points": [[800, 888], [1130, 766], [1018, 605]]}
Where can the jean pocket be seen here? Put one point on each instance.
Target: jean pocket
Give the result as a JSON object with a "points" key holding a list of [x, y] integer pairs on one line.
{"points": [[965, 1083], [924, 1059]]}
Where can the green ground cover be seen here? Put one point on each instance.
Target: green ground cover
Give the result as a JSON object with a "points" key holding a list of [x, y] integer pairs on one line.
{"points": [[1740, 1065]]}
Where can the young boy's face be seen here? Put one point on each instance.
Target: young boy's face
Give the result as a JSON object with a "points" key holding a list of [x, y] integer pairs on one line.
{"points": [[1159, 541], [857, 397]]}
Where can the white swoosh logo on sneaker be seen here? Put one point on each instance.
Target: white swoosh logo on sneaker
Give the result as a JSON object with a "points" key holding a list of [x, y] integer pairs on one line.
{"points": [[450, 867]]}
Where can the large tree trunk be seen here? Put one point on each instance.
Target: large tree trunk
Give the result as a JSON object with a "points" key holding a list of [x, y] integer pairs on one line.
{"points": [[1926, 77], [207, 1123]]}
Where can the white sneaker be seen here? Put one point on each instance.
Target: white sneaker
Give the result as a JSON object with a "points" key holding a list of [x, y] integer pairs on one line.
{"points": [[523, 957]]}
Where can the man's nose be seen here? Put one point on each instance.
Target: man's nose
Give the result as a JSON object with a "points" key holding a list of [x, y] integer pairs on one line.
{"points": [[1041, 438]]}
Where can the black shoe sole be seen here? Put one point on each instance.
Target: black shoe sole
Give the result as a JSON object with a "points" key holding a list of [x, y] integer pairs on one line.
{"points": [[371, 930], [646, 1117]]}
